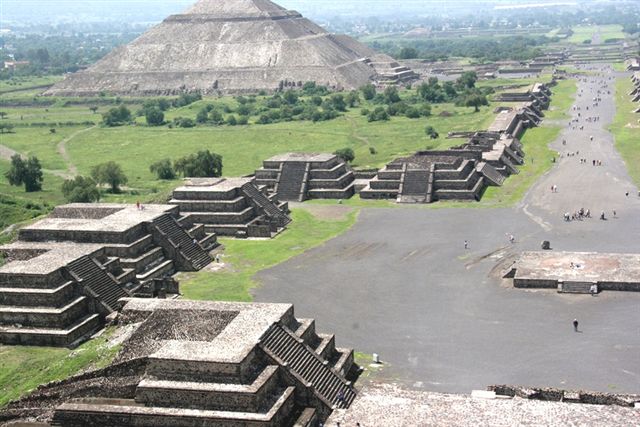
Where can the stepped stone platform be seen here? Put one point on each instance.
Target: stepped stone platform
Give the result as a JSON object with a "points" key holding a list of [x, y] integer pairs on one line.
{"points": [[67, 272], [230, 207], [462, 172], [576, 272], [301, 176], [539, 94], [207, 364], [230, 47]]}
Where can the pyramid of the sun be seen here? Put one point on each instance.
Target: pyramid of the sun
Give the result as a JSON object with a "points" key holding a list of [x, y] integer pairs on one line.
{"points": [[233, 46]]}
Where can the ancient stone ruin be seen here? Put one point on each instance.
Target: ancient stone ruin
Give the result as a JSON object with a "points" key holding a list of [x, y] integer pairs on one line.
{"points": [[576, 272], [463, 172], [66, 273], [635, 93], [301, 176], [233, 46], [539, 94], [230, 207], [205, 363]]}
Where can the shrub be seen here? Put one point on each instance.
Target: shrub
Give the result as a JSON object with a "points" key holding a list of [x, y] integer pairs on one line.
{"points": [[346, 154], [163, 169], [80, 190]]}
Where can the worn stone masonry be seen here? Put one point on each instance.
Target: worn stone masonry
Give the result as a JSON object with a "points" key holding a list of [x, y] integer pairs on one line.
{"points": [[66, 273], [635, 93], [465, 171], [207, 364], [234, 46], [576, 272], [301, 176], [230, 207]]}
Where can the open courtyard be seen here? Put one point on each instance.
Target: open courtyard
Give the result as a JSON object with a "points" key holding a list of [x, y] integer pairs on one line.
{"points": [[401, 284]]}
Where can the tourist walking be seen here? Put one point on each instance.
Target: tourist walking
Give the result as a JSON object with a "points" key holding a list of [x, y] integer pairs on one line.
{"points": [[466, 244], [575, 325]]}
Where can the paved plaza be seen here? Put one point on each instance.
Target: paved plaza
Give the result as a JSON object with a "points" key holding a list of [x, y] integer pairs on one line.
{"points": [[401, 284]]}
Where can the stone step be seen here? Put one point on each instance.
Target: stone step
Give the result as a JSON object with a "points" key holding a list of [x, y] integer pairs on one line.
{"points": [[36, 297], [163, 269], [210, 396], [140, 263], [307, 418], [41, 317], [51, 337], [82, 413]]}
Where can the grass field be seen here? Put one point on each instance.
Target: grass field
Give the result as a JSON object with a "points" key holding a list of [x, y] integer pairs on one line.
{"points": [[24, 368], [626, 128], [581, 33], [564, 94], [244, 258], [243, 147]]}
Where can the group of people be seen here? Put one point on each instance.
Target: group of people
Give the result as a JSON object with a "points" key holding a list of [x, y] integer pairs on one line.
{"points": [[578, 215]]}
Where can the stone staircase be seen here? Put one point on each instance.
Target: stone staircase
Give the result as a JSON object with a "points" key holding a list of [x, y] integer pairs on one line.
{"points": [[192, 251], [99, 281], [291, 352], [415, 186], [291, 181], [575, 287], [492, 175], [270, 209]]}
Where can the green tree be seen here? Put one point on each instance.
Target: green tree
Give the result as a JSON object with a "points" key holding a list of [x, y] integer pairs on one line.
{"points": [[93, 109], [6, 127], [408, 53], [290, 97], [80, 190], [346, 154], [27, 172], [475, 100], [368, 91], [117, 116], [202, 164], [338, 102], [231, 120], [109, 173], [431, 132], [467, 80], [163, 169], [377, 115], [202, 116], [154, 116]]}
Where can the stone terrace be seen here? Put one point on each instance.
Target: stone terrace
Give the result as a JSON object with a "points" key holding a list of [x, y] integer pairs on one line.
{"points": [[460, 173], [388, 405], [301, 176], [575, 272], [230, 207], [259, 366], [67, 272]]}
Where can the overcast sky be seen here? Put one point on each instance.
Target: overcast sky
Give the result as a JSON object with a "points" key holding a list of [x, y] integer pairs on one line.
{"points": [[155, 10]]}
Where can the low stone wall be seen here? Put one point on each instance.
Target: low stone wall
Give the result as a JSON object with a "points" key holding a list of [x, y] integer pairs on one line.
{"points": [[557, 395]]}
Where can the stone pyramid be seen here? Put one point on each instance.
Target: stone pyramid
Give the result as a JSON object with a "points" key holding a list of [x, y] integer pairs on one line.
{"points": [[233, 46]]}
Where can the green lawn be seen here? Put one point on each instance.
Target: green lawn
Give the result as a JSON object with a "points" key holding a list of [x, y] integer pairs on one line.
{"points": [[24, 368], [626, 128], [564, 94], [247, 257], [25, 83], [586, 32]]}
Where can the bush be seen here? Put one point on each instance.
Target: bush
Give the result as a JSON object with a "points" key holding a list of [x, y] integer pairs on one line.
{"points": [[117, 116], [373, 151], [431, 132], [184, 122], [368, 91], [80, 190], [232, 121], [346, 154], [203, 164], [154, 116], [109, 173], [163, 169], [377, 115]]}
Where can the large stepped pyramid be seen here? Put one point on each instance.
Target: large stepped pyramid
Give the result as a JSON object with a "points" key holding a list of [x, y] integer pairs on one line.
{"points": [[233, 46]]}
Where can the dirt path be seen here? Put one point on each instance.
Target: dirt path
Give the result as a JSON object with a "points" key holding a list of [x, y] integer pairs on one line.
{"points": [[72, 169], [6, 153]]}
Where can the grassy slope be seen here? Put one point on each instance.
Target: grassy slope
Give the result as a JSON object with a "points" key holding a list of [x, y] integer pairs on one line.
{"points": [[247, 257], [24, 368], [626, 128]]}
